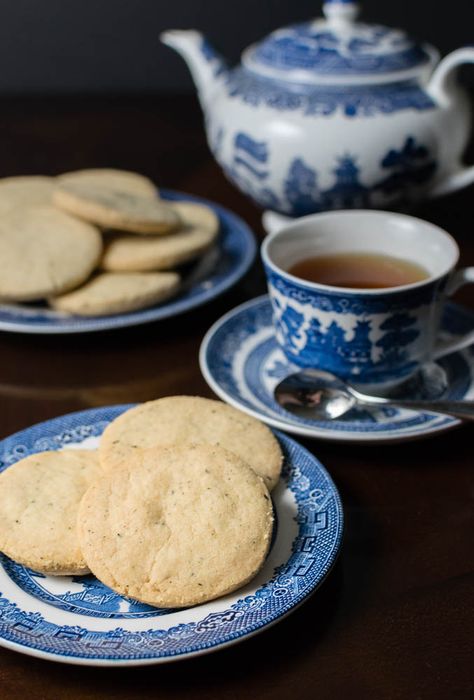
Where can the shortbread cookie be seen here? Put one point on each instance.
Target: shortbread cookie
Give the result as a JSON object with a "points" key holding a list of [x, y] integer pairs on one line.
{"points": [[118, 292], [118, 180], [39, 500], [195, 235], [116, 209], [44, 252], [191, 419], [25, 191], [176, 526]]}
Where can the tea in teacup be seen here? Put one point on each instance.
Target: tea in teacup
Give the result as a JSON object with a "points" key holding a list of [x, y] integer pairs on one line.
{"points": [[358, 270]]}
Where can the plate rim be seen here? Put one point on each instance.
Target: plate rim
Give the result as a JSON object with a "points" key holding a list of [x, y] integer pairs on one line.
{"points": [[288, 443], [304, 431], [159, 313]]}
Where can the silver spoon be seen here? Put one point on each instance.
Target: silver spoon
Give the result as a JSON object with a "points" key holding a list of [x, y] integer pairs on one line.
{"points": [[320, 395]]}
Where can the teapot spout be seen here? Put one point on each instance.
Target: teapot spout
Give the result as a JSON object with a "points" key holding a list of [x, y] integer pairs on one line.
{"points": [[204, 62]]}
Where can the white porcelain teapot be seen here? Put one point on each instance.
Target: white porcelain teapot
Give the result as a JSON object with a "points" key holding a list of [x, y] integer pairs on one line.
{"points": [[334, 114]]}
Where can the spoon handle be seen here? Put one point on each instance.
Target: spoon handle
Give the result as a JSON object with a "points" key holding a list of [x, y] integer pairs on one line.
{"points": [[458, 409]]}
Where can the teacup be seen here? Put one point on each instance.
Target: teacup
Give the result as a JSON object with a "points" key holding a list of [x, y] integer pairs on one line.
{"points": [[375, 338]]}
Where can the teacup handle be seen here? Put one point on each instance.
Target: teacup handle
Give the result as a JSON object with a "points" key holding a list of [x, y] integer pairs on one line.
{"points": [[458, 280]]}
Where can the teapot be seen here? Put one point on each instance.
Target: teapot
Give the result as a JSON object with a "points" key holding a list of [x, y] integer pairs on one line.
{"points": [[334, 114]]}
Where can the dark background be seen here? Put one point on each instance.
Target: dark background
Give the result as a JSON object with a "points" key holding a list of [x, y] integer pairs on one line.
{"points": [[394, 620], [112, 46]]}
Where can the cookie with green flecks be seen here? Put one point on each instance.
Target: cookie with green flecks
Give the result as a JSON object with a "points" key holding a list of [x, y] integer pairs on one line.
{"points": [[197, 232], [176, 526], [39, 501], [192, 419]]}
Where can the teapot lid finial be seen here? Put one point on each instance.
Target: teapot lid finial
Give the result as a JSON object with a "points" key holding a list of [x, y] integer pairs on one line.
{"points": [[340, 12]]}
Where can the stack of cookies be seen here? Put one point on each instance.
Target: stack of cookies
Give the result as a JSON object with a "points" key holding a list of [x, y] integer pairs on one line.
{"points": [[173, 509], [96, 242]]}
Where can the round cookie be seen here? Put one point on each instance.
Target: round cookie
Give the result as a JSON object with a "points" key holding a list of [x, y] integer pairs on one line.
{"points": [[25, 191], [119, 180], [118, 292], [195, 235], [44, 252], [39, 500], [183, 420], [176, 526], [116, 209]]}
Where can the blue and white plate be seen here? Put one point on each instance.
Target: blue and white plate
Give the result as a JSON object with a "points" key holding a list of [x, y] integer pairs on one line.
{"points": [[76, 619], [217, 271], [242, 363]]}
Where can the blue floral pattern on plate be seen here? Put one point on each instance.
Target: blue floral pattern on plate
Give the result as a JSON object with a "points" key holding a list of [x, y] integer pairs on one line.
{"points": [[54, 623], [213, 275], [242, 363], [84, 595]]}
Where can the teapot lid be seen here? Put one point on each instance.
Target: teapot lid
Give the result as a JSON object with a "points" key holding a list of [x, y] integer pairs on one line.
{"points": [[338, 49]]}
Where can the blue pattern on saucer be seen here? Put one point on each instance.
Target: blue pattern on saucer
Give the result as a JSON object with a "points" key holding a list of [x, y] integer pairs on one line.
{"points": [[236, 252], [309, 514], [242, 362]]}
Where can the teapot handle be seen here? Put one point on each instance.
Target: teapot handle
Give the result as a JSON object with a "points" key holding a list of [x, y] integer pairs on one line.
{"points": [[442, 88]]}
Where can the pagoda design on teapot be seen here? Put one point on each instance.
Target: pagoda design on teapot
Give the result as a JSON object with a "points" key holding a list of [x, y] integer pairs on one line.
{"points": [[402, 169]]}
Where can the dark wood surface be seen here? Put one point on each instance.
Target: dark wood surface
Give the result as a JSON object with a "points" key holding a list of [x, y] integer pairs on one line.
{"points": [[395, 617]]}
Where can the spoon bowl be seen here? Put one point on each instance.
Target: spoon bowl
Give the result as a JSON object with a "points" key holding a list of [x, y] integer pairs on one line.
{"points": [[321, 396], [315, 395]]}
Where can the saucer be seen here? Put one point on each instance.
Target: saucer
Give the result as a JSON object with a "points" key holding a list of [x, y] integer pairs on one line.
{"points": [[218, 270], [79, 620], [242, 363]]}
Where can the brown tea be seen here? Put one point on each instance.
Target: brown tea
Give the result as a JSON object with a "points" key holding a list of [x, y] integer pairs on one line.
{"points": [[359, 270]]}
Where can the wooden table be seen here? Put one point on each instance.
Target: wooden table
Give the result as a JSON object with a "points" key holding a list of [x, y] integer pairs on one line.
{"points": [[395, 617]]}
